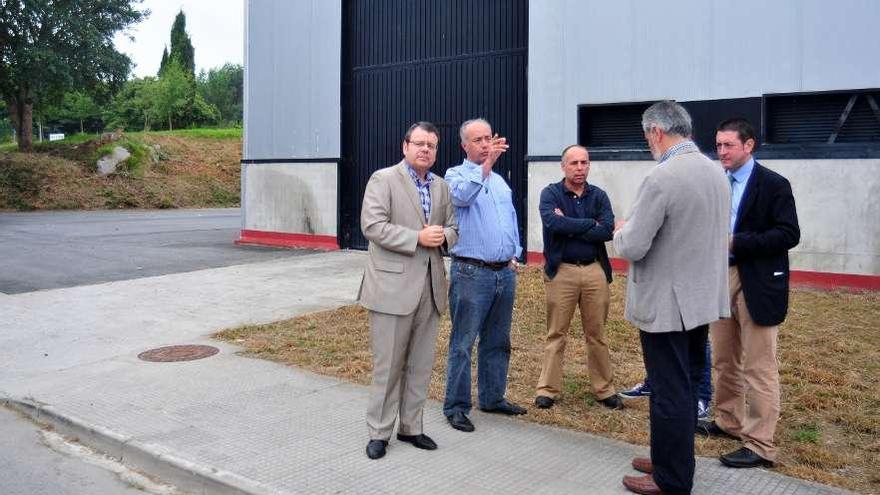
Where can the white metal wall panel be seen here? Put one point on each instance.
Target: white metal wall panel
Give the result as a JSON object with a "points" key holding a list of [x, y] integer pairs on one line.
{"points": [[594, 51], [292, 83]]}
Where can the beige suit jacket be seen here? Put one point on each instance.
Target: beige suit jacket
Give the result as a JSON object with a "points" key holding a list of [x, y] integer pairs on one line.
{"points": [[391, 218], [676, 240]]}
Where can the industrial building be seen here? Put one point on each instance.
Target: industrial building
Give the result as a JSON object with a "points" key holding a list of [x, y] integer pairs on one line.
{"points": [[332, 85]]}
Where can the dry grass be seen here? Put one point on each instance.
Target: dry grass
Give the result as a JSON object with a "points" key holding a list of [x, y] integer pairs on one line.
{"points": [[829, 350], [195, 172]]}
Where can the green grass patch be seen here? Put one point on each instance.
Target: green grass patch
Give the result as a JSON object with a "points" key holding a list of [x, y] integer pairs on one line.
{"points": [[806, 434], [202, 133]]}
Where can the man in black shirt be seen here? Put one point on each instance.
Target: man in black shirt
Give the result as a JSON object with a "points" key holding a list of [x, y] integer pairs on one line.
{"points": [[577, 220]]}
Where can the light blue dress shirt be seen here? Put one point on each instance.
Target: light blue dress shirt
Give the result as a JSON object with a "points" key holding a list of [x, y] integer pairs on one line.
{"points": [[487, 226], [738, 188]]}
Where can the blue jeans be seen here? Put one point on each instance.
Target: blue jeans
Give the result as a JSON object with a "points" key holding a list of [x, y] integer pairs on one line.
{"points": [[480, 304], [705, 391]]}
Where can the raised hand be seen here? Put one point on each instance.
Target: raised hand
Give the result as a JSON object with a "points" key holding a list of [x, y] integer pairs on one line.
{"points": [[497, 146]]}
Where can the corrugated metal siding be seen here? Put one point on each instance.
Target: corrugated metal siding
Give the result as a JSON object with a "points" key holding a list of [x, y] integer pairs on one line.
{"points": [[293, 52], [598, 52], [444, 62]]}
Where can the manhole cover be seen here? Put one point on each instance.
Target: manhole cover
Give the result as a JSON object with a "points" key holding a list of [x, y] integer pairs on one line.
{"points": [[174, 353]]}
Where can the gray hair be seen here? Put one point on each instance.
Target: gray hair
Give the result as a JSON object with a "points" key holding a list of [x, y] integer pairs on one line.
{"points": [[469, 122], [669, 117]]}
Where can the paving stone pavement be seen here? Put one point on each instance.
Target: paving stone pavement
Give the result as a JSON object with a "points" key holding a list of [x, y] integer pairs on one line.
{"points": [[232, 424]]}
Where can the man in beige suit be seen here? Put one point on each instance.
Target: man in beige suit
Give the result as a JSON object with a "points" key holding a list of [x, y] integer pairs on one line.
{"points": [[408, 218], [676, 241]]}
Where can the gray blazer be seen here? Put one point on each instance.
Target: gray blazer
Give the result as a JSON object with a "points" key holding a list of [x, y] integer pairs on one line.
{"points": [[391, 218], [676, 240]]}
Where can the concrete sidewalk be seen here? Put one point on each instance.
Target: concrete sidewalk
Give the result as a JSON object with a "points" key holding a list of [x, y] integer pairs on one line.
{"points": [[230, 424]]}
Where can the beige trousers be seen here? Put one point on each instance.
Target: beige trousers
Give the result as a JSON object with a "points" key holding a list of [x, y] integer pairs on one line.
{"points": [[587, 287], [746, 375], [403, 355]]}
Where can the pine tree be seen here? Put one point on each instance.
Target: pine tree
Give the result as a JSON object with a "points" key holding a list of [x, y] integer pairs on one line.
{"points": [[182, 50], [164, 62]]}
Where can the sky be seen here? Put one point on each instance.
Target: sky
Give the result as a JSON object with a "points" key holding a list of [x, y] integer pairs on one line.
{"points": [[216, 28]]}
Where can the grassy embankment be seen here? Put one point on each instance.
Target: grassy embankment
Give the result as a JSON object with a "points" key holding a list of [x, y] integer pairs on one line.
{"points": [[167, 169], [829, 351]]}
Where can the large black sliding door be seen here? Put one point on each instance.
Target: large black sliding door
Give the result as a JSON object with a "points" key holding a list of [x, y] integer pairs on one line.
{"points": [[444, 61]]}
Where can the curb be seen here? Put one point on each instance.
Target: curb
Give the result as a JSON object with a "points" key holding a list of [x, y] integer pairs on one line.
{"points": [[188, 476]]}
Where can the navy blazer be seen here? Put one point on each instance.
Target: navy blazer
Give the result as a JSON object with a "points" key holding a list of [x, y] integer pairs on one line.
{"points": [[766, 228]]}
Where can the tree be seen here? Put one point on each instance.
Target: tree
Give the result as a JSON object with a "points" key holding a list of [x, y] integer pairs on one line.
{"points": [[5, 126], [76, 106], [132, 107], [182, 51], [222, 87], [170, 98], [164, 61], [49, 47], [174, 100]]}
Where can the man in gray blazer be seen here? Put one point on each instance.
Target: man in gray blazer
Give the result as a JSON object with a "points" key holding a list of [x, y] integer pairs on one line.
{"points": [[676, 242], [408, 218]]}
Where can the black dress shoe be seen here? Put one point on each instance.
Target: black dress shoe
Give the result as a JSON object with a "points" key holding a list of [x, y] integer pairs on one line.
{"points": [[507, 408], [376, 448], [612, 402], [460, 421], [420, 441], [544, 402], [711, 429], [744, 458]]}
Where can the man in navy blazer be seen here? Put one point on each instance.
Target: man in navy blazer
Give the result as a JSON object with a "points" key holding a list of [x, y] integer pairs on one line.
{"points": [[764, 227]]}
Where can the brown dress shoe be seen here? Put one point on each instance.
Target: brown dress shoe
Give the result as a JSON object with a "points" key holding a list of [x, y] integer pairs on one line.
{"points": [[643, 464], [642, 484]]}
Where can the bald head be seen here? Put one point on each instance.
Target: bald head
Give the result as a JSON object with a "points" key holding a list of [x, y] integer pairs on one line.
{"points": [[576, 167]]}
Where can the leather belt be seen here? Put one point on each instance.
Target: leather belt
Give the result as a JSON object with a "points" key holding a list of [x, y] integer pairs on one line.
{"points": [[483, 264], [580, 262]]}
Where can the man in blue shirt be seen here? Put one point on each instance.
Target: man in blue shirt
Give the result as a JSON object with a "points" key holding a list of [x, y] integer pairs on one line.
{"points": [[577, 221], [482, 277], [763, 227]]}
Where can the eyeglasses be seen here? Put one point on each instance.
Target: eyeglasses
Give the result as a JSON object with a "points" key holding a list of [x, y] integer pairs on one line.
{"points": [[425, 144]]}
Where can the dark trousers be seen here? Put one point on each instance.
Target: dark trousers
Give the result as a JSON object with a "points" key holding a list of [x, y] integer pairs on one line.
{"points": [[705, 381], [675, 362]]}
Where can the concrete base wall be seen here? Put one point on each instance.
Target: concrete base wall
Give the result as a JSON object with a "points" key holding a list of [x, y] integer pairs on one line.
{"points": [[290, 198], [838, 203]]}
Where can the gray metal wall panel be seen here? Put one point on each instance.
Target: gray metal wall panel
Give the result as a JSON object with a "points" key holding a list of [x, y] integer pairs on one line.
{"points": [[594, 51], [293, 79]]}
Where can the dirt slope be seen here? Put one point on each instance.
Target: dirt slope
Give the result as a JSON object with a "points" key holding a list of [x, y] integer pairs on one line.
{"points": [[191, 172]]}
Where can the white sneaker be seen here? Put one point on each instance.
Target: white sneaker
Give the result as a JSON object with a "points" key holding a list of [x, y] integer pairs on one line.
{"points": [[638, 391], [702, 409]]}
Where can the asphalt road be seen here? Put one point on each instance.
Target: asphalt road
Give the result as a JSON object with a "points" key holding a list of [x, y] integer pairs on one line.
{"points": [[29, 467], [49, 250]]}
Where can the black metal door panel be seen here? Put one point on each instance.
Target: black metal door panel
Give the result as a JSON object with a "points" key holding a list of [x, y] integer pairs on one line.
{"points": [[441, 61]]}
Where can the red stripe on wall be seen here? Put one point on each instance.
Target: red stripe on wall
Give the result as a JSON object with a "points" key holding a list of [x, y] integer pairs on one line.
{"points": [[817, 280], [288, 240]]}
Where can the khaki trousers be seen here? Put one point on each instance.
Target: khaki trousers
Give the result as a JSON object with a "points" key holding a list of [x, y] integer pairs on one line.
{"points": [[587, 287], [746, 375], [403, 355]]}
